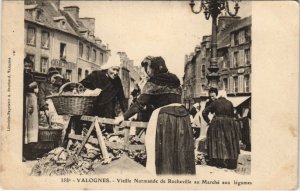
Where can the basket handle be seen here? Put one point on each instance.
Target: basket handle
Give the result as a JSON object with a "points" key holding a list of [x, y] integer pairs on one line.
{"points": [[80, 87]]}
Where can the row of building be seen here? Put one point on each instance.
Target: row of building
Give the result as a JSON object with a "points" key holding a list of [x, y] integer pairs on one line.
{"points": [[58, 37], [234, 62], [61, 39]]}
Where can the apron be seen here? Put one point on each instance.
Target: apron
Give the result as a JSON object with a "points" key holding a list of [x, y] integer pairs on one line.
{"points": [[150, 138], [31, 119]]}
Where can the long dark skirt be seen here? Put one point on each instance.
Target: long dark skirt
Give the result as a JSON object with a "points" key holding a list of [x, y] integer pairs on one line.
{"points": [[223, 139], [174, 150]]}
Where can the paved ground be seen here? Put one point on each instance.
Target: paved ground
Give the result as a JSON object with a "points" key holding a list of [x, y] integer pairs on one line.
{"points": [[244, 166]]}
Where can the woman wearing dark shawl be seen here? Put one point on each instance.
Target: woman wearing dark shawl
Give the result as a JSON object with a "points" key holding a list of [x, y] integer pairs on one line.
{"points": [[110, 85], [222, 135], [173, 152]]}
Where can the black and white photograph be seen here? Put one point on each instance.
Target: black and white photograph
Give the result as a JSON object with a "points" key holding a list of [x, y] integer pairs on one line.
{"points": [[141, 92], [93, 98]]}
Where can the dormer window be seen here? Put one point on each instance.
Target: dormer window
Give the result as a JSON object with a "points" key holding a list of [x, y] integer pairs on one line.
{"points": [[61, 21], [38, 14], [63, 24]]}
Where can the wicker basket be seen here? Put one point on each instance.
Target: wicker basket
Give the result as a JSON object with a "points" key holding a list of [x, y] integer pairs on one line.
{"points": [[73, 104], [50, 134]]}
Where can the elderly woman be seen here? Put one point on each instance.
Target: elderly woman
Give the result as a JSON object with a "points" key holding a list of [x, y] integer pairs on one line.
{"points": [[108, 81], [222, 134], [169, 136]]}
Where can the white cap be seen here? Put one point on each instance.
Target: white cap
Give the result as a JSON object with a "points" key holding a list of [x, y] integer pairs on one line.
{"points": [[113, 61]]}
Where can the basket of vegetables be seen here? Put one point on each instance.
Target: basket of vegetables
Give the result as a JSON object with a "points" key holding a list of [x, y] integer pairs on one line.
{"points": [[74, 99]]}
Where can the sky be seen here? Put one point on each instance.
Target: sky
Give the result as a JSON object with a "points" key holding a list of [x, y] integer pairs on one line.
{"points": [[157, 28]]}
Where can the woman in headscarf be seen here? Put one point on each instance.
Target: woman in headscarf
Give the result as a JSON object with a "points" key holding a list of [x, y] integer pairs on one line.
{"points": [[108, 81], [51, 86], [30, 129], [222, 134], [169, 136]]}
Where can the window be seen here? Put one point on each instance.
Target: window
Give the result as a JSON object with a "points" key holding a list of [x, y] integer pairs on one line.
{"points": [[32, 58], [242, 37], [79, 74], [235, 84], [236, 39], [235, 59], [31, 36], [248, 34], [80, 50], [45, 40], [203, 71], [101, 58], [94, 55], [69, 75], [44, 64], [246, 84], [225, 84], [38, 15], [63, 51], [247, 57], [226, 60], [86, 73], [87, 53], [232, 39], [63, 24]]}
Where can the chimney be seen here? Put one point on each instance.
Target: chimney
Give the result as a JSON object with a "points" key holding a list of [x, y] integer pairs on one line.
{"points": [[224, 21], [73, 10], [90, 24]]}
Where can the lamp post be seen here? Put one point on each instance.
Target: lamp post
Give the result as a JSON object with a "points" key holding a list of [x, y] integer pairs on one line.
{"points": [[212, 8]]}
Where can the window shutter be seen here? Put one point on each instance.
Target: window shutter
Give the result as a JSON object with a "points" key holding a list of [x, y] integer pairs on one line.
{"points": [[242, 37], [241, 58], [231, 59], [232, 39], [249, 78], [240, 83], [230, 84]]}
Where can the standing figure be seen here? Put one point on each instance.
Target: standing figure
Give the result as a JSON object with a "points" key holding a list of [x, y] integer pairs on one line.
{"points": [[169, 135], [30, 108], [222, 134], [51, 86]]}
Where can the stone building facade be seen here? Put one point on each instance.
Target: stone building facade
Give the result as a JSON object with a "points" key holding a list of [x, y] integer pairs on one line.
{"points": [[234, 60], [59, 38]]}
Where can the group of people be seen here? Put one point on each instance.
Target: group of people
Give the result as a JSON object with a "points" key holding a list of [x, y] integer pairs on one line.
{"points": [[169, 138], [37, 108]]}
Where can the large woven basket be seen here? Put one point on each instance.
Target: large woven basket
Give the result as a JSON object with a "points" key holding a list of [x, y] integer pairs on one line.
{"points": [[50, 134], [73, 104]]}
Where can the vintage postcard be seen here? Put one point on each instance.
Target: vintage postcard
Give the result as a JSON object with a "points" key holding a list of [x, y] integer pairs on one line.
{"points": [[183, 95]]}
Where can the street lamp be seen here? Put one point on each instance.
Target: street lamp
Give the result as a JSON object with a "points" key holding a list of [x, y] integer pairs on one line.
{"points": [[212, 8]]}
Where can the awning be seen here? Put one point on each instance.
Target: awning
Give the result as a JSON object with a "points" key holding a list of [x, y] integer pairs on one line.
{"points": [[238, 100]]}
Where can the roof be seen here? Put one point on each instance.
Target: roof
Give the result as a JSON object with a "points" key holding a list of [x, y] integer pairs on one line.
{"points": [[79, 27], [50, 17], [224, 35]]}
